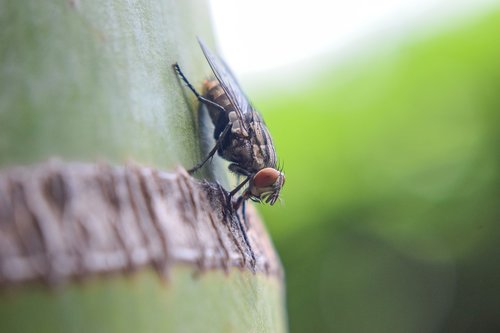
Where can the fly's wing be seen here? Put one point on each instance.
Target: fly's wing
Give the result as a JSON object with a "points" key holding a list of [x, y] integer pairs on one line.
{"points": [[244, 109]]}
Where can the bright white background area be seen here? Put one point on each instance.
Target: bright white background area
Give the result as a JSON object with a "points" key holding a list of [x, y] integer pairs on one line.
{"points": [[259, 35]]}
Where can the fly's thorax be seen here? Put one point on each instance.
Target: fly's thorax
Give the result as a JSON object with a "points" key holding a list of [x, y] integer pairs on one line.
{"points": [[263, 151], [237, 126], [253, 152], [239, 151]]}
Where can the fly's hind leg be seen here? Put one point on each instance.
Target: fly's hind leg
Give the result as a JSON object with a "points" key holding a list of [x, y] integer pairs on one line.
{"points": [[198, 96], [205, 101]]}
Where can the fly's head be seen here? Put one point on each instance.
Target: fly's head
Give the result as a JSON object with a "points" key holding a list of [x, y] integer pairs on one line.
{"points": [[266, 185]]}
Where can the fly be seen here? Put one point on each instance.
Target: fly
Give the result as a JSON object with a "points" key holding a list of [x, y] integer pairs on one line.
{"points": [[240, 133]]}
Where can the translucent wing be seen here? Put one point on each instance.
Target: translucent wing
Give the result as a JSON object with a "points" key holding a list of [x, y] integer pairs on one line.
{"points": [[244, 109]]}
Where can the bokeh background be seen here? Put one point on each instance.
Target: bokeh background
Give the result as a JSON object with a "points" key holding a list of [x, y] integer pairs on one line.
{"points": [[391, 146]]}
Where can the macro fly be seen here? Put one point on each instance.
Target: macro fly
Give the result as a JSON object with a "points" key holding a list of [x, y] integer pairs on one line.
{"points": [[241, 135]]}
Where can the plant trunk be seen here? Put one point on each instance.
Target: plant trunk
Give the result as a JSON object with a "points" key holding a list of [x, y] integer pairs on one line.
{"points": [[100, 229]]}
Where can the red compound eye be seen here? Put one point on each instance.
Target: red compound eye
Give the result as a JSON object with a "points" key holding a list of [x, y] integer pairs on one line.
{"points": [[266, 177]]}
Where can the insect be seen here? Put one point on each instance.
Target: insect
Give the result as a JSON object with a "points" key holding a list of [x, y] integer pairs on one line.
{"points": [[240, 133]]}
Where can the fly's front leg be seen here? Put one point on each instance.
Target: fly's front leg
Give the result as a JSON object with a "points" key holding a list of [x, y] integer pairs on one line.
{"points": [[237, 188], [240, 171], [241, 200]]}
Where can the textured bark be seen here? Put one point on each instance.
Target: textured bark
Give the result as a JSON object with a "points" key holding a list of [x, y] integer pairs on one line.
{"points": [[62, 220]]}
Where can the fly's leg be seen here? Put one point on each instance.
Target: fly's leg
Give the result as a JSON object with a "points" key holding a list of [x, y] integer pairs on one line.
{"points": [[237, 188], [244, 227], [241, 201], [239, 170], [243, 212], [230, 212], [245, 238], [236, 205], [206, 102], [243, 205], [213, 151], [227, 211], [198, 96]]}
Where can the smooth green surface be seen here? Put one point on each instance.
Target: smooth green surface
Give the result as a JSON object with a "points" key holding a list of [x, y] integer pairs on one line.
{"points": [[93, 80], [88, 80], [390, 220], [208, 302]]}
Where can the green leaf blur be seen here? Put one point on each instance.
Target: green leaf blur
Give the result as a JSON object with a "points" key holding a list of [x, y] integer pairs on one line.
{"points": [[391, 214]]}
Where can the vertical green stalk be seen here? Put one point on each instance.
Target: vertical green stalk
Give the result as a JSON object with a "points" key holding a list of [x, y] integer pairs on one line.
{"points": [[93, 81]]}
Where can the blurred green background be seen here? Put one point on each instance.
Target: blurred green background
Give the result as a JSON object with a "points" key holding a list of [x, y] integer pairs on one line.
{"points": [[391, 212]]}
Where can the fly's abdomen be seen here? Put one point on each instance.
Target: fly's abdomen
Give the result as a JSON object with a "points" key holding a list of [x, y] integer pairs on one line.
{"points": [[215, 93], [263, 153]]}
